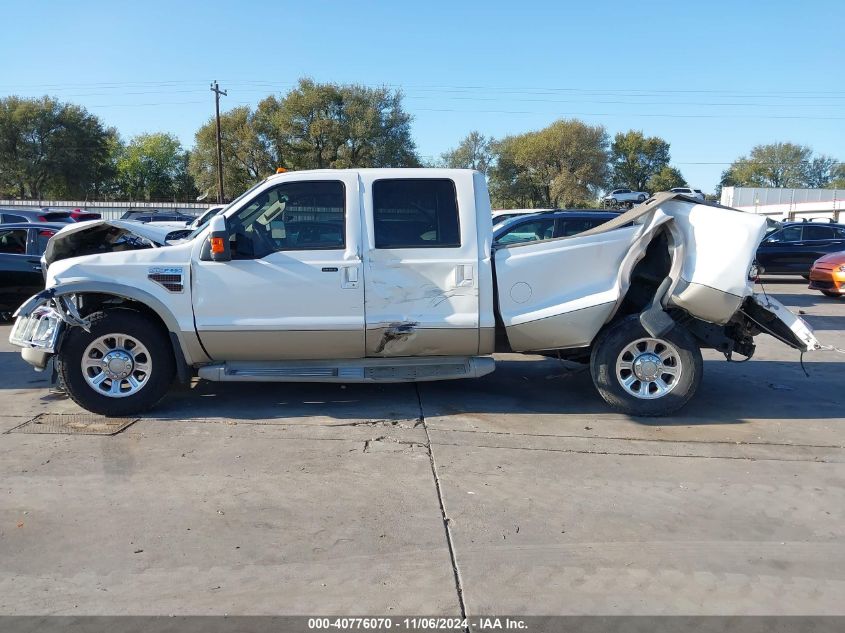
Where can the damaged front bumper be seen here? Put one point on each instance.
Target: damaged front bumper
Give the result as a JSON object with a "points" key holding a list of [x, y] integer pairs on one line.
{"points": [[39, 324]]}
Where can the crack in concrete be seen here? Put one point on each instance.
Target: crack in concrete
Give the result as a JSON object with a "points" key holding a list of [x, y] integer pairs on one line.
{"points": [[627, 454], [459, 585], [642, 439]]}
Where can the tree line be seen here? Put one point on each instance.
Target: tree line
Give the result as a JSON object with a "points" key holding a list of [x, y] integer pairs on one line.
{"points": [[55, 150]]}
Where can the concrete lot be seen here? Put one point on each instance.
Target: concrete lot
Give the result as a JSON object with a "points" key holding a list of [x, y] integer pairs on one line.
{"points": [[307, 499]]}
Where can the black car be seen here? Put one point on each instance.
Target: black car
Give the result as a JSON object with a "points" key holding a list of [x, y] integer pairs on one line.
{"points": [[792, 249], [8, 216], [155, 215], [21, 247], [548, 224]]}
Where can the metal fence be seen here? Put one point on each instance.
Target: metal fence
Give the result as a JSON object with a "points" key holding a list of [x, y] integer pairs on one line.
{"points": [[108, 210]]}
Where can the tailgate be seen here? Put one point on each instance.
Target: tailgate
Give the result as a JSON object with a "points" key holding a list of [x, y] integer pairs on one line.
{"points": [[774, 318]]}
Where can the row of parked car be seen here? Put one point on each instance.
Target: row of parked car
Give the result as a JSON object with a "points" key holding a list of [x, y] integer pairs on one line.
{"points": [[24, 235]]}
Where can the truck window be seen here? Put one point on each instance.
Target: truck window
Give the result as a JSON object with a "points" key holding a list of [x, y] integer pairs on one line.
{"points": [[306, 215], [415, 213]]}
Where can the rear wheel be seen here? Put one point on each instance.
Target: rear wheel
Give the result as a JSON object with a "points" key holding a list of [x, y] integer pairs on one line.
{"points": [[641, 198], [124, 365], [614, 202], [642, 375]]}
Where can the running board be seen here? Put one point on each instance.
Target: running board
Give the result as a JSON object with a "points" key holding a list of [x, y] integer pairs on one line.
{"points": [[415, 369]]}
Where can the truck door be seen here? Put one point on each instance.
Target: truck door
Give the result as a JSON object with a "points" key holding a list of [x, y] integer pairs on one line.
{"points": [[421, 263], [293, 289]]}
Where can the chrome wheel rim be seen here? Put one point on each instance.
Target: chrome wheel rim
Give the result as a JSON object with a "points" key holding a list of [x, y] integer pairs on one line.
{"points": [[116, 365], [648, 368]]}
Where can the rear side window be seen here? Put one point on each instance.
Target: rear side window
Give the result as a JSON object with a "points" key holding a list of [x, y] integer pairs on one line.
{"points": [[8, 217], [42, 236], [574, 226], [418, 213], [818, 232]]}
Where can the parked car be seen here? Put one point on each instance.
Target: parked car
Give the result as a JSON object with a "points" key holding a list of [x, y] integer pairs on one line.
{"points": [[792, 248], [503, 215], [298, 280], [686, 191], [180, 229], [620, 197], [542, 226], [21, 247], [155, 215], [8, 216], [828, 274], [81, 215]]}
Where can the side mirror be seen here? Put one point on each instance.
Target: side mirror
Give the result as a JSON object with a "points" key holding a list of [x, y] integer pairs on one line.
{"points": [[216, 247]]}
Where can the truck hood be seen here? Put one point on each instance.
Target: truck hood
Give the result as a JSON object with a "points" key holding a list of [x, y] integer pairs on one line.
{"points": [[103, 236]]}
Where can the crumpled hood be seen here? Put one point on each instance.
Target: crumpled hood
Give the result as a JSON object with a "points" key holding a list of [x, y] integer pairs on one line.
{"points": [[103, 236]]}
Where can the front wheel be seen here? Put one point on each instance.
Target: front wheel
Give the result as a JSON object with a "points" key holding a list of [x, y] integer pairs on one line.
{"points": [[828, 293], [124, 365], [641, 198], [641, 375]]}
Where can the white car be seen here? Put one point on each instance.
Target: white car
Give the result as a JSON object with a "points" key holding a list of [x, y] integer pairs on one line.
{"points": [[391, 275], [686, 191], [619, 197]]}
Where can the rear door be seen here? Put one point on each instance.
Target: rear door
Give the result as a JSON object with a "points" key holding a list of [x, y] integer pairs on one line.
{"points": [[819, 240], [421, 262]]}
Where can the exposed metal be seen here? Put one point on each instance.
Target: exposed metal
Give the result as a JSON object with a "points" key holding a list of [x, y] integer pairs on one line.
{"points": [[73, 424]]}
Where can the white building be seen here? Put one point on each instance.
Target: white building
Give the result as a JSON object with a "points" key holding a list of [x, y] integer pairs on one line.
{"points": [[787, 204]]}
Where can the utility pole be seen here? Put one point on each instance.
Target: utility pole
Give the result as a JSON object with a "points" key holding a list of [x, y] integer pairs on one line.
{"points": [[217, 92]]}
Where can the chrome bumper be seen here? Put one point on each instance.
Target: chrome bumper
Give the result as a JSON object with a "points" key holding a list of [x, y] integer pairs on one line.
{"points": [[39, 329]]}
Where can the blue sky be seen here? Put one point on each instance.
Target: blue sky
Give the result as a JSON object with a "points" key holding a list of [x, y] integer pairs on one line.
{"points": [[713, 78]]}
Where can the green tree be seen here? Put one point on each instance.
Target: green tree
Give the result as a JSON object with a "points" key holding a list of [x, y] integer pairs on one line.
{"points": [[635, 158], [564, 164], [319, 126], [773, 165], [246, 154], [838, 177], [473, 152], [665, 179], [154, 167], [821, 171], [51, 149]]}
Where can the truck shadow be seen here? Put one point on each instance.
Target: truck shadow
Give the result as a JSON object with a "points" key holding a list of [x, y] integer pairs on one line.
{"points": [[730, 393]]}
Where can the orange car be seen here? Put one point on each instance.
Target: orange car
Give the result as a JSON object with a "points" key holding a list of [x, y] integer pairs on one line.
{"points": [[828, 274]]}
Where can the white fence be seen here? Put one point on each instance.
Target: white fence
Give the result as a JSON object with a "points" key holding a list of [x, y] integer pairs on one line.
{"points": [[787, 204], [109, 210]]}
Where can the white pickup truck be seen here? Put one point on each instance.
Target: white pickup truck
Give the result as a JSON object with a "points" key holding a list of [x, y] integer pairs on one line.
{"points": [[390, 275]]}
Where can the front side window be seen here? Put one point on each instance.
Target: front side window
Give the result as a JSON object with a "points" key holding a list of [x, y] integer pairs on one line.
{"points": [[531, 231], [418, 213], [13, 241], [574, 226], [787, 234], [292, 216]]}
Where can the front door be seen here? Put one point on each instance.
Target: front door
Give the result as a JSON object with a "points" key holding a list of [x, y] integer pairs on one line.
{"points": [[421, 267], [20, 273], [293, 289]]}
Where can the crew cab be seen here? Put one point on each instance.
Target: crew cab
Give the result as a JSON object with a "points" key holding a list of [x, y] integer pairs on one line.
{"points": [[391, 275]]}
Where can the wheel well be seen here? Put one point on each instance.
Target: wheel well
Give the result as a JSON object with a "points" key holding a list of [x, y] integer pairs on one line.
{"points": [[89, 303], [646, 277]]}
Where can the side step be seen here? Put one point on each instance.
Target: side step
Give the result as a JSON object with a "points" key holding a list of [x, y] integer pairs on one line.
{"points": [[414, 369]]}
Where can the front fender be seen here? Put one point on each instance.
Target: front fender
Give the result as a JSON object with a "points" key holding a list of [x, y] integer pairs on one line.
{"points": [[188, 341]]}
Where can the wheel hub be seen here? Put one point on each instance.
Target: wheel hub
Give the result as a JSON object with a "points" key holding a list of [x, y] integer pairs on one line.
{"points": [[647, 366], [118, 364]]}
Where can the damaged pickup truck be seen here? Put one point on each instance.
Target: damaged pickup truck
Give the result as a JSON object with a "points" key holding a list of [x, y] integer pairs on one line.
{"points": [[390, 275]]}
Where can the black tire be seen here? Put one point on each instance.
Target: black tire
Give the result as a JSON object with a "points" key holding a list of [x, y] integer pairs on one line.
{"points": [[614, 202], [833, 295], [641, 198], [132, 324], [807, 277], [608, 350]]}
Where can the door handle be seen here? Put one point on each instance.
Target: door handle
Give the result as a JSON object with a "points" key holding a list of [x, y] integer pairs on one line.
{"points": [[464, 275], [350, 277]]}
